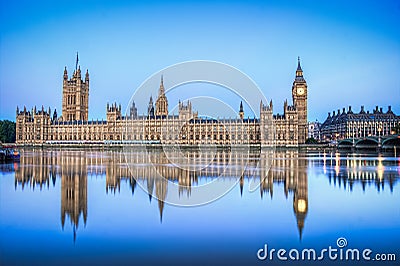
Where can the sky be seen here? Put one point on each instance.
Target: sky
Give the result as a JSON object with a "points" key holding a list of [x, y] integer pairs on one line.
{"points": [[349, 50]]}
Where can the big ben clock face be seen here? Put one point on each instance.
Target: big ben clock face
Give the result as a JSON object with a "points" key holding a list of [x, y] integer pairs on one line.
{"points": [[300, 91]]}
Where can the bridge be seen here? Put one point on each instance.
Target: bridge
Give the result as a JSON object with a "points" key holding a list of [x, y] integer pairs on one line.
{"points": [[385, 143]]}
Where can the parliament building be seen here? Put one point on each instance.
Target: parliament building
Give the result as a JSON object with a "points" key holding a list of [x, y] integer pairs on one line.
{"points": [[73, 127]]}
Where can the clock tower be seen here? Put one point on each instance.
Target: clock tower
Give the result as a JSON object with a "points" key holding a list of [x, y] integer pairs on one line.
{"points": [[299, 94]]}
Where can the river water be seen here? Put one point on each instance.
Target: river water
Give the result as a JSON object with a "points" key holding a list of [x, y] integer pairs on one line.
{"points": [[150, 207]]}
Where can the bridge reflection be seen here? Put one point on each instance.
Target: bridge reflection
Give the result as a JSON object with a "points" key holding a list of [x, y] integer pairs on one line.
{"points": [[348, 169]]}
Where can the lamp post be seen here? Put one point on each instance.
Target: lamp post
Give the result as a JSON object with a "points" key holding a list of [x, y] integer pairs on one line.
{"points": [[379, 137], [337, 139]]}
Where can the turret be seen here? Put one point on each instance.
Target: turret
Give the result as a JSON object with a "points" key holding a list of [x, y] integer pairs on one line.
{"points": [[241, 113], [185, 111], [55, 115], [65, 74], [133, 111], [113, 112], [150, 108], [266, 123], [78, 73]]}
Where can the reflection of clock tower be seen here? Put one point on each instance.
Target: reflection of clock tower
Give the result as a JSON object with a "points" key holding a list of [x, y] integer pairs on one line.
{"points": [[299, 94]]}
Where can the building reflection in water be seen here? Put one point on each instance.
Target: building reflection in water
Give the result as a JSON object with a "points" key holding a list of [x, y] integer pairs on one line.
{"points": [[73, 190], [41, 168], [290, 169], [346, 170]]}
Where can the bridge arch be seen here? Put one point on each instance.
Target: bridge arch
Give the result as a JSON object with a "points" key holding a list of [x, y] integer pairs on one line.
{"points": [[367, 143], [345, 144], [391, 142]]}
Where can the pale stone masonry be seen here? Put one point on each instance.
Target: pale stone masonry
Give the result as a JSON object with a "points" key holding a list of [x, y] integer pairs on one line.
{"points": [[37, 127]]}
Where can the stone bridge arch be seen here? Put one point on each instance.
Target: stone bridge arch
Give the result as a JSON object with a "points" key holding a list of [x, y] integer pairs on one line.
{"points": [[367, 143], [391, 142]]}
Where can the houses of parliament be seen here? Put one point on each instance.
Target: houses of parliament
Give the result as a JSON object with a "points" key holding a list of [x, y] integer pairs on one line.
{"points": [[41, 127]]}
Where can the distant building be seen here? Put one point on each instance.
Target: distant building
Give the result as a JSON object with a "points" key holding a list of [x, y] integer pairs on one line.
{"points": [[37, 127], [314, 130], [346, 125]]}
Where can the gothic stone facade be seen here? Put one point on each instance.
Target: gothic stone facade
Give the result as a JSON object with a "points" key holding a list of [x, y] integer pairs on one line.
{"points": [[37, 127]]}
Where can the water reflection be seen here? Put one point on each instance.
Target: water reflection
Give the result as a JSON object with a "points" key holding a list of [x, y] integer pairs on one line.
{"points": [[73, 192], [346, 170], [41, 169]]}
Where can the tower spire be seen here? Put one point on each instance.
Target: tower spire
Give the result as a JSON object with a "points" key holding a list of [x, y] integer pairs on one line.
{"points": [[161, 102], [299, 71], [77, 60], [161, 90]]}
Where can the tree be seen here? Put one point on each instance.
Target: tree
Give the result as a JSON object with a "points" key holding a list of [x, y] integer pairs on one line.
{"points": [[7, 131]]}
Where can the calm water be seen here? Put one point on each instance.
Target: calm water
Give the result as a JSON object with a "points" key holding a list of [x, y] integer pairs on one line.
{"points": [[113, 207]]}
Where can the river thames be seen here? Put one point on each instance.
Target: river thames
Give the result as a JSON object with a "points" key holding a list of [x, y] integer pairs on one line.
{"points": [[211, 208]]}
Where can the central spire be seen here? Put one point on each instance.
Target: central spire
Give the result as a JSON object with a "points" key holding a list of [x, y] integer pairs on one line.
{"points": [[162, 102], [161, 90], [77, 60]]}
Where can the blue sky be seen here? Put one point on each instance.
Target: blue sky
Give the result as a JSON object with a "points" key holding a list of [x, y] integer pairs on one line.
{"points": [[350, 50]]}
